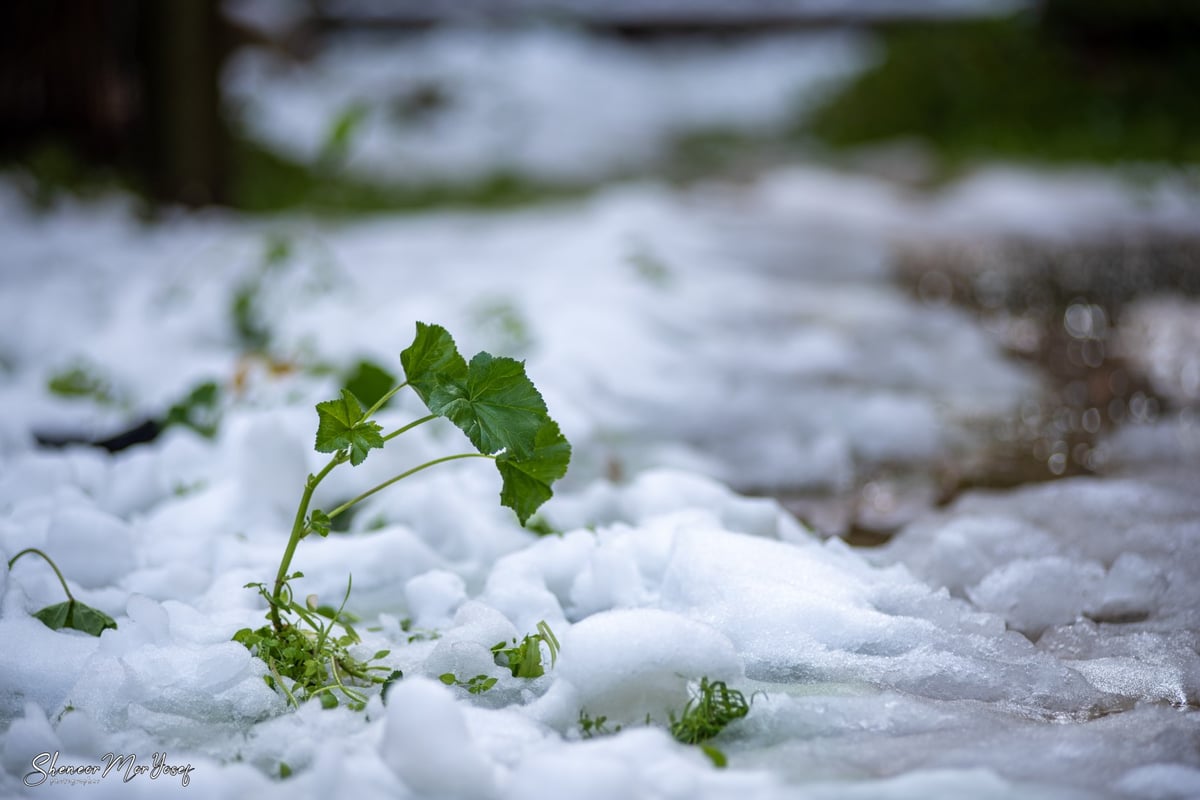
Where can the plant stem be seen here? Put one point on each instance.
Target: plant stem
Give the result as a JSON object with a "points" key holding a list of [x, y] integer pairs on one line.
{"points": [[402, 476], [298, 530], [49, 561], [379, 403], [409, 427]]}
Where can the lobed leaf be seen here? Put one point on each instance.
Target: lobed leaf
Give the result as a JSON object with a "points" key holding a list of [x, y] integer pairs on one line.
{"points": [[342, 427], [526, 481], [498, 407], [431, 361]]}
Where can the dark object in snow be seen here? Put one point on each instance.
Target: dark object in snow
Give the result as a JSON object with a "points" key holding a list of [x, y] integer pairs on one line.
{"points": [[145, 431]]}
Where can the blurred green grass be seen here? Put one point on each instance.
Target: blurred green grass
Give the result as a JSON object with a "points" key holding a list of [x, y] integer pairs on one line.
{"points": [[1100, 84]]}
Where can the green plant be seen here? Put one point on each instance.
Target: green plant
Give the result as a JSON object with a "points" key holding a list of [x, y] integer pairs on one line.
{"points": [[524, 659], [477, 685], [502, 414], [313, 658], [706, 714], [83, 380], [71, 614], [200, 410], [590, 726]]}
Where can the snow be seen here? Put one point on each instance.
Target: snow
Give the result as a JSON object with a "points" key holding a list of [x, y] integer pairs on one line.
{"points": [[1037, 642], [548, 103]]}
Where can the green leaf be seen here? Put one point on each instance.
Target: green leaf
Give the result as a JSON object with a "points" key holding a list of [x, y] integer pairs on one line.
{"points": [[431, 361], [715, 756], [393, 676], [342, 427], [448, 678], [526, 481], [498, 407], [76, 615], [319, 522], [200, 410]]}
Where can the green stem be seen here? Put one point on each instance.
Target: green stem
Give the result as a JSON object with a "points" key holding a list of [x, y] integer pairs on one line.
{"points": [[379, 403], [49, 561], [409, 427], [402, 476], [298, 531]]}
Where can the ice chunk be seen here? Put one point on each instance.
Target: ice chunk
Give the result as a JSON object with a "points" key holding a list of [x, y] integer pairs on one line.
{"points": [[628, 663], [1033, 594], [1132, 589], [426, 743]]}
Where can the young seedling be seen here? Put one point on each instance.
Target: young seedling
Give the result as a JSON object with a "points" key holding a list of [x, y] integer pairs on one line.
{"points": [[706, 714], [71, 614], [524, 660], [477, 685], [590, 726], [503, 416]]}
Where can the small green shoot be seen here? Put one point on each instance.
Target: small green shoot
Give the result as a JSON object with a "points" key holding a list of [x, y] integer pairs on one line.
{"points": [[715, 755], [590, 726], [310, 659], [83, 381], [416, 634], [524, 660], [200, 410], [707, 713], [71, 614], [477, 685], [342, 132], [503, 415]]}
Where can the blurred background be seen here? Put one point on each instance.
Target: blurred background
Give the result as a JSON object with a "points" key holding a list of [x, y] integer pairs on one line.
{"points": [[355, 105]]}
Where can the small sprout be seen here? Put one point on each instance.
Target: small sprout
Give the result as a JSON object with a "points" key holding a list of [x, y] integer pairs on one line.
{"points": [[200, 410], [707, 713], [418, 634], [285, 771], [477, 685], [524, 660], [715, 756], [81, 381], [594, 726]]}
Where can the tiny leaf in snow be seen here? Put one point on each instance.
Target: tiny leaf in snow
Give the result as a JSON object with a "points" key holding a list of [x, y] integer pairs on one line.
{"points": [[76, 615]]}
